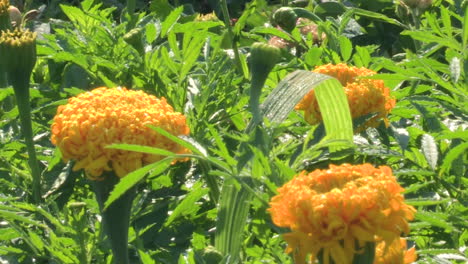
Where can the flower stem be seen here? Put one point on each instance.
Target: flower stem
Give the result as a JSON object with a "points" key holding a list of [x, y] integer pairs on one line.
{"points": [[227, 22], [22, 100], [116, 218]]}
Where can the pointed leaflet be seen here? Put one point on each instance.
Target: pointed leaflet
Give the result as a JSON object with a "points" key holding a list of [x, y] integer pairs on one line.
{"points": [[133, 178]]}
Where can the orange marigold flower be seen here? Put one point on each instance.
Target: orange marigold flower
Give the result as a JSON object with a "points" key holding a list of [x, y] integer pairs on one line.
{"points": [[335, 212], [395, 253], [365, 96], [93, 120]]}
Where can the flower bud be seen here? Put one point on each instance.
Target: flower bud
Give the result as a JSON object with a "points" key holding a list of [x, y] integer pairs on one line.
{"points": [[420, 4], [18, 53], [286, 18], [134, 38], [15, 16], [263, 57], [4, 15], [211, 255]]}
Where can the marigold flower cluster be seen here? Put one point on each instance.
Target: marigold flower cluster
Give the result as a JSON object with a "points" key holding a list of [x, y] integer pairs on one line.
{"points": [[331, 211], [93, 120], [395, 253], [365, 96]]}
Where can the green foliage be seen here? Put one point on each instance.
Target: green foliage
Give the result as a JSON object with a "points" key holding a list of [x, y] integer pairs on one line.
{"points": [[212, 207]]}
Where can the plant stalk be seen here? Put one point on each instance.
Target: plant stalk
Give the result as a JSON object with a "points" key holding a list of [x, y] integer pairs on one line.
{"points": [[227, 22], [21, 87], [116, 218]]}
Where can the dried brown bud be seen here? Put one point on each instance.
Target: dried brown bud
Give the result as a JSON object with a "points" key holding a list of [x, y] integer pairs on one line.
{"points": [[15, 16]]}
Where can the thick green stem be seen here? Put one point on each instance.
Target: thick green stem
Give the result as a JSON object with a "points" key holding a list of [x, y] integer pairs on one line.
{"points": [[255, 91], [210, 181], [21, 87], [116, 218]]}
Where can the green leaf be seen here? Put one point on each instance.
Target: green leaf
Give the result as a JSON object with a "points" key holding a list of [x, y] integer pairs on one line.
{"points": [[425, 201], [428, 37], [170, 20], [273, 31], [232, 214], [377, 16], [5, 92], [435, 219], [36, 240], [465, 31], [188, 206], [152, 32], [161, 8], [429, 149], [346, 48], [131, 179], [145, 258], [191, 52], [329, 93], [144, 149], [451, 156], [185, 143], [14, 216]]}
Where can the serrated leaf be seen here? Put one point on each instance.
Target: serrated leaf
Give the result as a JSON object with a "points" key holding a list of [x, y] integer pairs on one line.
{"points": [[188, 143], [425, 201], [377, 16], [437, 251], [191, 52], [429, 149], [428, 37], [346, 48], [145, 258], [14, 216], [5, 92], [451, 156], [36, 240], [435, 219], [131, 179], [187, 206], [274, 32], [144, 149], [170, 20]]}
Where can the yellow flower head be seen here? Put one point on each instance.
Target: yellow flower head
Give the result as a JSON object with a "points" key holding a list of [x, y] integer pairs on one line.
{"points": [[365, 96], [336, 211], [395, 253], [93, 120]]}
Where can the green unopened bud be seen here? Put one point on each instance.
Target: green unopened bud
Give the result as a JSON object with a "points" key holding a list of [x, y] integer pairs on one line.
{"points": [[134, 38], [419, 4], [286, 18], [211, 255], [4, 15], [18, 53], [263, 57]]}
